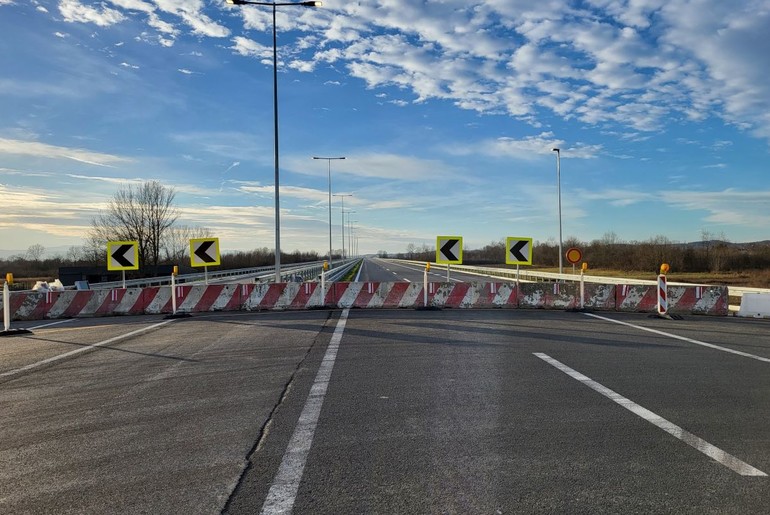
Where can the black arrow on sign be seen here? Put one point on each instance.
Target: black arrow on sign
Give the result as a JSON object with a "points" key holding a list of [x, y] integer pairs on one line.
{"points": [[446, 249], [201, 252], [516, 250], [120, 255]]}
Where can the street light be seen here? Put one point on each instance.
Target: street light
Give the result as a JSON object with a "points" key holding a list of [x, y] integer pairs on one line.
{"points": [[350, 234], [350, 230], [342, 199], [275, 119], [558, 192], [329, 161]]}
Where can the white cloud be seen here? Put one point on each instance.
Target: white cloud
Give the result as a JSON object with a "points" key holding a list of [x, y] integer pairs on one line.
{"points": [[36, 149], [381, 166], [727, 207], [74, 11], [528, 148]]}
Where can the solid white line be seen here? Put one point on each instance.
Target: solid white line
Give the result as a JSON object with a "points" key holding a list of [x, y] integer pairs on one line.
{"points": [[82, 349], [689, 340], [49, 325], [715, 453], [283, 491]]}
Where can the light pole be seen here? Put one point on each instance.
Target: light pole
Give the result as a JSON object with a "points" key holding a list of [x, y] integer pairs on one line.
{"points": [[558, 192], [350, 231], [350, 234], [329, 161], [275, 119], [342, 199]]}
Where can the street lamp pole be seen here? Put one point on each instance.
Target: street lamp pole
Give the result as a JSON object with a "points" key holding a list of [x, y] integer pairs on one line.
{"points": [[342, 199], [275, 119], [558, 192], [329, 161]]}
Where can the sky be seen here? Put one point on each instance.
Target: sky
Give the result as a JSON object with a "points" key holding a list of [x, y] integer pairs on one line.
{"points": [[446, 112]]}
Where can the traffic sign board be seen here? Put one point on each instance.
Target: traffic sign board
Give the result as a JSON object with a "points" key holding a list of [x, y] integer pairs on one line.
{"points": [[122, 255], [518, 251], [204, 252], [574, 255], [449, 250]]}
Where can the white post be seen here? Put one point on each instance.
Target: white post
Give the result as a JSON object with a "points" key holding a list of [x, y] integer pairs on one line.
{"points": [[6, 306], [206, 275], [425, 287], [124, 279], [582, 289], [323, 287], [173, 294], [662, 295], [447, 273]]}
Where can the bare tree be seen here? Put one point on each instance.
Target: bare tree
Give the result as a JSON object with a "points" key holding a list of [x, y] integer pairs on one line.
{"points": [[176, 246], [143, 213], [35, 252]]}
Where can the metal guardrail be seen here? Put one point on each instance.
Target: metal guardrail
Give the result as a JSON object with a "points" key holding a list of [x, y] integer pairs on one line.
{"points": [[339, 272], [527, 275], [291, 272]]}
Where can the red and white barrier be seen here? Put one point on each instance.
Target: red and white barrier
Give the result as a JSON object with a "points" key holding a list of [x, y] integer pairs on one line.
{"points": [[365, 295]]}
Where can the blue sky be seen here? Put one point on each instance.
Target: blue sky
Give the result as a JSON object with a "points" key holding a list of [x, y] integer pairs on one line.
{"points": [[445, 109]]}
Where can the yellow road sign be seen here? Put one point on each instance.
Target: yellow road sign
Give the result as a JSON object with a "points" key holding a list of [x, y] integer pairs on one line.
{"points": [[449, 250], [518, 251], [122, 255], [204, 252]]}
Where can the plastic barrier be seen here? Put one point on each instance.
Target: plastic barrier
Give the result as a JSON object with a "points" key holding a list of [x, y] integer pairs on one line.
{"points": [[755, 305], [285, 296]]}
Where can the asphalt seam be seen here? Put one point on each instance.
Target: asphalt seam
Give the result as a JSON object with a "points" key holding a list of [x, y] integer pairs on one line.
{"points": [[264, 430]]}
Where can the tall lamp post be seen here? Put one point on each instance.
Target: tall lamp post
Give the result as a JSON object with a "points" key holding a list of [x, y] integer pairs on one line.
{"points": [[558, 192], [342, 199], [329, 161], [275, 119], [350, 230]]}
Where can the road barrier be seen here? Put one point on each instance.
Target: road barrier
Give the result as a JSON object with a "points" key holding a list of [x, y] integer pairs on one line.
{"points": [[701, 300]]}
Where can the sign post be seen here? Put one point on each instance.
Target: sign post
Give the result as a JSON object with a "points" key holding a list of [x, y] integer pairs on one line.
{"points": [[425, 285], [449, 251], [204, 252], [123, 255], [574, 255], [583, 268]]}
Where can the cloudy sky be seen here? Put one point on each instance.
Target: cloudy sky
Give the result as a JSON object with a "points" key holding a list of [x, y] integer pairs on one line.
{"points": [[447, 111]]}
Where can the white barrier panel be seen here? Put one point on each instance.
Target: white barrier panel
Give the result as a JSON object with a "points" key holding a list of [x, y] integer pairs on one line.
{"points": [[755, 305]]}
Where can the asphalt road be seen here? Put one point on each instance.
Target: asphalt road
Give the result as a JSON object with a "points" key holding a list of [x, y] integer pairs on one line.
{"points": [[383, 270], [402, 411]]}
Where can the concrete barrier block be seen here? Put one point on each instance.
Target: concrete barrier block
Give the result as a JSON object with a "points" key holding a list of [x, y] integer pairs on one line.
{"points": [[756, 305]]}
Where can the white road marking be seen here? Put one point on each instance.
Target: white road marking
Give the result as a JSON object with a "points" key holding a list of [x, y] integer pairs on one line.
{"points": [[683, 338], [715, 453], [49, 325], [82, 349], [283, 491], [407, 280]]}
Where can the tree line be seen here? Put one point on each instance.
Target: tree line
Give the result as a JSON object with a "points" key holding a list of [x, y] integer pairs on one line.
{"points": [[610, 252]]}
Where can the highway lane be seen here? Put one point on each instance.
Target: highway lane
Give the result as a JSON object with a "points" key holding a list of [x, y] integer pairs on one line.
{"points": [[159, 422], [383, 270], [452, 411]]}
